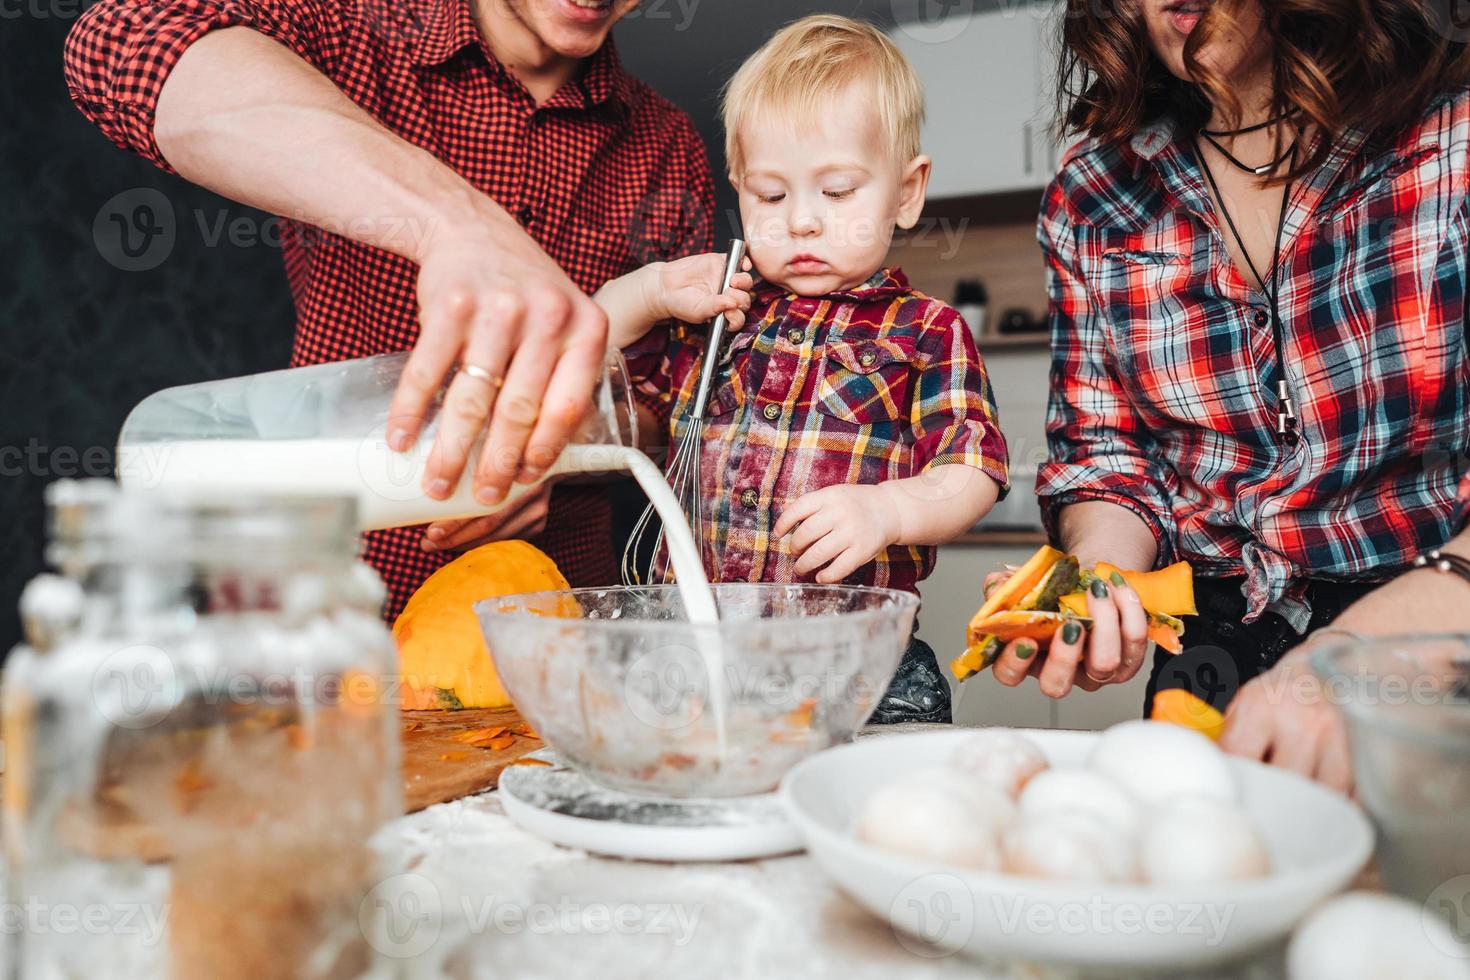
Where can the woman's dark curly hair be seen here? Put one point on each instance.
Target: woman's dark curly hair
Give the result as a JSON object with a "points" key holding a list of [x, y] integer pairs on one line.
{"points": [[1372, 65]]}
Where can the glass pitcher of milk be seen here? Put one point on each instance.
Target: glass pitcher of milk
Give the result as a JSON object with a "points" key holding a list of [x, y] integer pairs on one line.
{"points": [[322, 429]]}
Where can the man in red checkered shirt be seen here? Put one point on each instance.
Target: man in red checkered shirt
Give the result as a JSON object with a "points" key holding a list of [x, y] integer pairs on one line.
{"points": [[456, 180]]}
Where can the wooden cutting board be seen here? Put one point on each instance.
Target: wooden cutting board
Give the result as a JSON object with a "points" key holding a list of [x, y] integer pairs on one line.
{"points": [[449, 754]]}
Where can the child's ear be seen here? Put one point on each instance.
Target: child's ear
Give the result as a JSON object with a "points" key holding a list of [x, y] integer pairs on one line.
{"points": [[912, 185]]}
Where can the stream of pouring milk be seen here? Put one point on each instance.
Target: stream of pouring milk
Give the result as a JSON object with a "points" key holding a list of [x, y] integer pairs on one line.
{"points": [[387, 484]]}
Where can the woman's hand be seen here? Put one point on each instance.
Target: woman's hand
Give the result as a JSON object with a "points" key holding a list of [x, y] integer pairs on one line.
{"points": [[524, 517], [492, 300], [1283, 717], [688, 289], [1111, 651], [839, 529]]}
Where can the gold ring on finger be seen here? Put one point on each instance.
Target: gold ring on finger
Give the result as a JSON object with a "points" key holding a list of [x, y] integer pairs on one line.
{"points": [[489, 377]]}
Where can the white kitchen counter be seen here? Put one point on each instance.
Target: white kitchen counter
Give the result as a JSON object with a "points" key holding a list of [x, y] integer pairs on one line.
{"points": [[477, 897]]}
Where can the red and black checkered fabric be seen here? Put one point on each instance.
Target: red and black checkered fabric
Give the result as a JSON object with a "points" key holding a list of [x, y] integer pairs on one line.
{"points": [[606, 175]]}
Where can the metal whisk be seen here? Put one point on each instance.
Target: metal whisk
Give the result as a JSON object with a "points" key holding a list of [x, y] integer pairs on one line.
{"points": [[683, 467]]}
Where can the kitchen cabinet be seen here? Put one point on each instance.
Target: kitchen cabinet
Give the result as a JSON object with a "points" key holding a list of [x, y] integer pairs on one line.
{"points": [[988, 83]]}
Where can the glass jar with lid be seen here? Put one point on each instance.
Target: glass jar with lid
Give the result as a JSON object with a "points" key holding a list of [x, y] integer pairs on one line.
{"points": [[200, 739]]}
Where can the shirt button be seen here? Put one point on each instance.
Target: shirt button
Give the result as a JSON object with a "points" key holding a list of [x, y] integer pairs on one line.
{"points": [[771, 412], [867, 358], [1262, 318], [749, 498], [525, 215], [794, 335]]}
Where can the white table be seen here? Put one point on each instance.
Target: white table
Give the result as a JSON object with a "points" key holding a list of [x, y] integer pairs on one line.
{"points": [[477, 897]]}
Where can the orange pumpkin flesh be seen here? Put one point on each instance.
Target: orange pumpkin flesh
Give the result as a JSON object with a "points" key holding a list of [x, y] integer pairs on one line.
{"points": [[1168, 590], [1166, 638], [1022, 625], [1166, 594], [442, 657], [1180, 707], [1014, 589]]}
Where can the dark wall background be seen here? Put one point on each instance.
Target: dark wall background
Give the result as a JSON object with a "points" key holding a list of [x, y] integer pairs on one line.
{"points": [[118, 280]]}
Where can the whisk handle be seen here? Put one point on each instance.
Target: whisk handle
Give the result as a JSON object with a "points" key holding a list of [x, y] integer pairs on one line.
{"points": [[716, 335]]}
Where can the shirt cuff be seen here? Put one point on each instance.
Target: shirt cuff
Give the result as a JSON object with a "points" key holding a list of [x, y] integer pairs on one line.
{"points": [[974, 444], [119, 56], [1051, 507]]}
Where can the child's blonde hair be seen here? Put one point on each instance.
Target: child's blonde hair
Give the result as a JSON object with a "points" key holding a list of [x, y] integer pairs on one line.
{"points": [[799, 70]]}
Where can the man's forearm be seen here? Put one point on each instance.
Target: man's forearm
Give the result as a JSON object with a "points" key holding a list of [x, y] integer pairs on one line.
{"points": [[1095, 530], [249, 119]]}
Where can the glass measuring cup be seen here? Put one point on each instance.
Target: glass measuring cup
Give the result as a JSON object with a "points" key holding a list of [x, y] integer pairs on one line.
{"points": [[322, 429], [1406, 703]]}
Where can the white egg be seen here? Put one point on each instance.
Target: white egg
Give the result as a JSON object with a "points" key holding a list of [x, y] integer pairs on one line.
{"points": [[1201, 839], [1368, 936], [1003, 758], [1158, 762], [936, 816], [1082, 791], [1068, 846]]}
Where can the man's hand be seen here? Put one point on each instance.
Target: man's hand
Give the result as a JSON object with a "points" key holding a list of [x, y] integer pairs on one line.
{"points": [[842, 528], [524, 517], [1283, 717], [499, 304]]}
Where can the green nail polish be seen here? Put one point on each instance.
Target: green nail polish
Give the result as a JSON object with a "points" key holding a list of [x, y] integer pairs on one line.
{"points": [[1025, 651], [1071, 632], [1117, 578], [1099, 588]]}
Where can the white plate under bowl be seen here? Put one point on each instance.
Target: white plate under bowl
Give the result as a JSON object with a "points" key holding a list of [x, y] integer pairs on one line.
{"points": [[1318, 840], [566, 808]]}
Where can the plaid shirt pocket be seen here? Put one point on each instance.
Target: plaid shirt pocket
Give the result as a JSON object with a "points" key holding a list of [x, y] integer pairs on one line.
{"points": [[866, 381]]}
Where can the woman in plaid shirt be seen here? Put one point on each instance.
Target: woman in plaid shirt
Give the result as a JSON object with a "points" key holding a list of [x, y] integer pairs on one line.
{"points": [[1257, 272]]}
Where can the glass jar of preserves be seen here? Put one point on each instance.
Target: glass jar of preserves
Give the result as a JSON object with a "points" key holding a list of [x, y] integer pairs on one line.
{"points": [[199, 739]]}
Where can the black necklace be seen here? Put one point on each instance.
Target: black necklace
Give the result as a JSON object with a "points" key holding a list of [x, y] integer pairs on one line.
{"points": [[1260, 171], [1286, 420], [1247, 129]]}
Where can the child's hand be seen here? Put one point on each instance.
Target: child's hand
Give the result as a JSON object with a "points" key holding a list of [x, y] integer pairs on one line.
{"points": [[842, 527], [688, 289]]}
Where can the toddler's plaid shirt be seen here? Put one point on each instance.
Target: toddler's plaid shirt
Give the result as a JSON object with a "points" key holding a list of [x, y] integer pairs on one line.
{"points": [[876, 383]]}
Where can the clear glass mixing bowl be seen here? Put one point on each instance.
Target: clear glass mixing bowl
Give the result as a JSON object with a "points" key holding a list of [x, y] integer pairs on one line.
{"points": [[1406, 701], [618, 682]]}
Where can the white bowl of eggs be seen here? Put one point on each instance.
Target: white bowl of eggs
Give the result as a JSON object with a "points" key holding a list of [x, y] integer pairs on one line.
{"points": [[1144, 846]]}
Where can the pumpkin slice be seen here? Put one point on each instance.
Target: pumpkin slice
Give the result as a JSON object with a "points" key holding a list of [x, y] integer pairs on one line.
{"points": [[1014, 589], [1062, 578], [1180, 707], [1050, 589], [976, 658], [442, 656], [1166, 631], [1074, 604], [1168, 590], [1016, 624]]}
